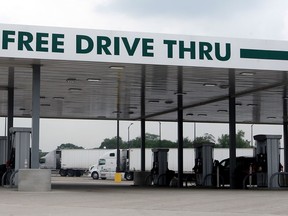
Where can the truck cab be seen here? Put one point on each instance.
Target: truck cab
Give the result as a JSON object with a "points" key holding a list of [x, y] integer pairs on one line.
{"points": [[106, 167]]}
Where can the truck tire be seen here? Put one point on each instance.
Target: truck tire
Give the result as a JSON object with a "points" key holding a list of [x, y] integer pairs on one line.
{"points": [[129, 176], [70, 173], [63, 173], [95, 175], [78, 173]]}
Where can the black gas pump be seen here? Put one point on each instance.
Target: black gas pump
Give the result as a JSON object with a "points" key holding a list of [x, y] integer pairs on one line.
{"points": [[268, 159], [204, 163], [20, 154], [160, 173]]}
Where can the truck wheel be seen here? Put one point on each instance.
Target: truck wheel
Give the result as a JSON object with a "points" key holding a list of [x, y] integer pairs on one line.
{"points": [[63, 173], [95, 175], [70, 173], [129, 176], [78, 173]]}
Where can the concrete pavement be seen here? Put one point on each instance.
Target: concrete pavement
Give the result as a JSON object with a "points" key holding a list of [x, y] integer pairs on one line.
{"points": [[85, 197]]}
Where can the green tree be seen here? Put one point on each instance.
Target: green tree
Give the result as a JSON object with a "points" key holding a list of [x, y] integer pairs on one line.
{"points": [[111, 143], [207, 138], [68, 146], [223, 141], [187, 143]]}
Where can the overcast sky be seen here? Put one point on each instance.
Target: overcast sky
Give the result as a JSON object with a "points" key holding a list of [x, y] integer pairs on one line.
{"points": [[257, 19]]}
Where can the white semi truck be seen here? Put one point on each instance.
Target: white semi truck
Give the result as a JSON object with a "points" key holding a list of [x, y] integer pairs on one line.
{"points": [[71, 162], [130, 161]]}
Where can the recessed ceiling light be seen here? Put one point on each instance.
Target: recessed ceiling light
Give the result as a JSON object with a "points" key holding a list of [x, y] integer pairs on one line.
{"points": [[58, 98], [271, 117], [222, 111], [116, 112], [169, 101], [93, 80], [71, 80], [75, 89], [154, 101], [46, 105], [116, 67], [202, 114], [252, 104], [247, 73], [180, 93], [209, 84], [101, 117]]}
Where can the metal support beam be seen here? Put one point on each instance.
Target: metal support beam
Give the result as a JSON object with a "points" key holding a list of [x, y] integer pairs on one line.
{"points": [[180, 126], [143, 129], [118, 143], [10, 107], [285, 124], [232, 127], [35, 117]]}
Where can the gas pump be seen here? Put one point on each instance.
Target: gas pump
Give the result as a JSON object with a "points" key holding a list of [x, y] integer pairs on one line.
{"points": [[268, 159], [161, 175], [203, 163], [20, 138], [3, 149]]}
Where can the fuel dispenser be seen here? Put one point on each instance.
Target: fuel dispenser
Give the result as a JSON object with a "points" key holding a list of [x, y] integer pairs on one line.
{"points": [[268, 159], [161, 175], [20, 138], [3, 149], [204, 163]]}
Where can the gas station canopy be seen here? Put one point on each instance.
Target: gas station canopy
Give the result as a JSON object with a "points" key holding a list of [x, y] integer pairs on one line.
{"points": [[92, 74]]}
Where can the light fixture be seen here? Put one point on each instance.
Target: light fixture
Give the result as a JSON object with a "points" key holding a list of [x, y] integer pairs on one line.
{"points": [[247, 73], [169, 101], [116, 67], [75, 89], [116, 112], [93, 80], [271, 117], [46, 105], [101, 117], [71, 80], [209, 84], [180, 93], [202, 114], [252, 104], [58, 98], [154, 101], [222, 111]]}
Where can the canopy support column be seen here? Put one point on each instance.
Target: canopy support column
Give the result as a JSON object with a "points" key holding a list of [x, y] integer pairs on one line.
{"points": [[143, 129], [285, 125], [232, 127], [180, 126], [10, 108], [35, 116]]}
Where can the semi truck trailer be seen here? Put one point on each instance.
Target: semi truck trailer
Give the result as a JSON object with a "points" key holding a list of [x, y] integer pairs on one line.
{"points": [[71, 162]]}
